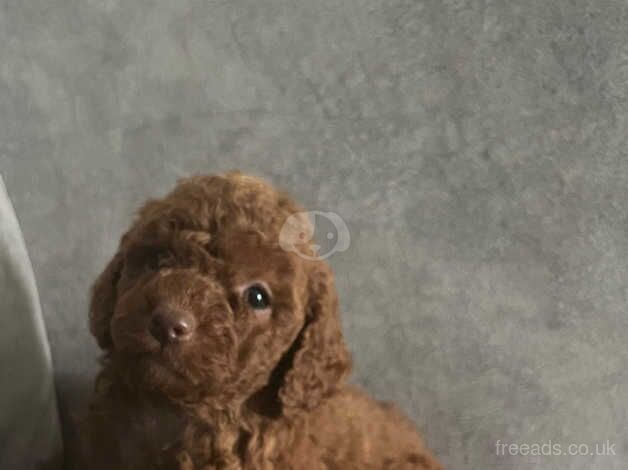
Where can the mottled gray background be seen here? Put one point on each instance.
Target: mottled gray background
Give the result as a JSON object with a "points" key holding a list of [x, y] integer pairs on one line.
{"points": [[476, 149]]}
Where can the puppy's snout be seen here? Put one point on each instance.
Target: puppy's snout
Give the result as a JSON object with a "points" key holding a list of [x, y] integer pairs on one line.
{"points": [[171, 325]]}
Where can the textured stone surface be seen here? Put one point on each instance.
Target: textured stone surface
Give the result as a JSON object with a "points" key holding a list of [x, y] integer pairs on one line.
{"points": [[475, 149]]}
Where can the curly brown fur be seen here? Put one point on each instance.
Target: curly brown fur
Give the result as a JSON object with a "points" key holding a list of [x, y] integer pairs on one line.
{"points": [[251, 387]]}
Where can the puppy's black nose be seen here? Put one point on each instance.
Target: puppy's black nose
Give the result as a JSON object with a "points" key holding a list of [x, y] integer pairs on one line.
{"points": [[171, 325]]}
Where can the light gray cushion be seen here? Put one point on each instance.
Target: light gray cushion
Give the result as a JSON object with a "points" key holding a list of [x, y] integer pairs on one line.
{"points": [[29, 428]]}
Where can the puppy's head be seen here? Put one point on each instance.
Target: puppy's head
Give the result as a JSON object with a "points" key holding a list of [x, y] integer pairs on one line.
{"points": [[201, 301]]}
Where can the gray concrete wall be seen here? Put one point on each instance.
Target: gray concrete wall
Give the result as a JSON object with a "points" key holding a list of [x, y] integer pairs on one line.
{"points": [[476, 150]]}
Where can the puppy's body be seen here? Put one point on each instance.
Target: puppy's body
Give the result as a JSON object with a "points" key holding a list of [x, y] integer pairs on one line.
{"points": [[347, 431], [224, 351]]}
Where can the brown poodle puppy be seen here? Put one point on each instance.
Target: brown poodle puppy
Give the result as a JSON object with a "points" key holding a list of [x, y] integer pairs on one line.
{"points": [[224, 351]]}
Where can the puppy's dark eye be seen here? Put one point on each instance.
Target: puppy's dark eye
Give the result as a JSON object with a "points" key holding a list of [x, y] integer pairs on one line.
{"points": [[257, 297]]}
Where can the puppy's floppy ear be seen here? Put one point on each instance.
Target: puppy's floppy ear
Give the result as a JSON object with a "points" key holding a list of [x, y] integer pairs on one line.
{"points": [[320, 360], [103, 301]]}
